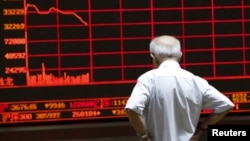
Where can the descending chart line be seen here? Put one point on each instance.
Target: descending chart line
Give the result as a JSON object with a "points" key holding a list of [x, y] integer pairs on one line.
{"points": [[53, 9]]}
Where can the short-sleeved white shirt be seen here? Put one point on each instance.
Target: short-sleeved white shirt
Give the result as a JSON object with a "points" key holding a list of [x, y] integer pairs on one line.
{"points": [[170, 100]]}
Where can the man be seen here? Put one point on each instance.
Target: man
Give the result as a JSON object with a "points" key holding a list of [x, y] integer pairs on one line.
{"points": [[166, 102]]}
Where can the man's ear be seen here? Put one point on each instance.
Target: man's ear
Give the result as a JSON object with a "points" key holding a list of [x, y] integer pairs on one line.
{"points": [[152, 56], [180, 54], [154, 60], [179, 57]]}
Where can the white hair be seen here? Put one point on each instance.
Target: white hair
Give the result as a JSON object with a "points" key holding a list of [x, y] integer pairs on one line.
{"points": [[163, 47]]}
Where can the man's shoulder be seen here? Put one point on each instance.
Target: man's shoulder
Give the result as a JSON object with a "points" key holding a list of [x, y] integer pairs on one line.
{"points": [[150, 74]]}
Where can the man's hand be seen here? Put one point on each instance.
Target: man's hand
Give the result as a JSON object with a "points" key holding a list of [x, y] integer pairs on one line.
{"points": [[197, 134], [146, 139]]}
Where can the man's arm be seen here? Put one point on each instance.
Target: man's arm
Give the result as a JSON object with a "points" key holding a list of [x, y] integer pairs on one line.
{"points": [[137, 123], [213, 118]]}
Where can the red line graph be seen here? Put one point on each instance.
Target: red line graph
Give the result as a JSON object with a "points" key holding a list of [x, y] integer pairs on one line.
{"points": [[44, 78], [51, 9]]}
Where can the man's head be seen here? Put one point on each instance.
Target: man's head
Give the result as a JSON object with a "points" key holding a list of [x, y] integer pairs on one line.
{"points": [[165, 48]]}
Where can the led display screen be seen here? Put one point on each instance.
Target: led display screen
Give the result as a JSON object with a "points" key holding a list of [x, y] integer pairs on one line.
{"points": [[76, 60]]}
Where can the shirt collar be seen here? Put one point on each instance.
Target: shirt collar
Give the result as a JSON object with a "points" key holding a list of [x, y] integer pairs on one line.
{"points": [[169, 63]]}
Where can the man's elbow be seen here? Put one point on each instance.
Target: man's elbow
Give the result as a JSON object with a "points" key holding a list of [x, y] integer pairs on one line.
{"points": [[129, 111]]}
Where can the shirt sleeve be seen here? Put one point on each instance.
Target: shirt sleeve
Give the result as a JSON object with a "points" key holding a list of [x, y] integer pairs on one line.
{"points": [[138, 98], [215, 100]]}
